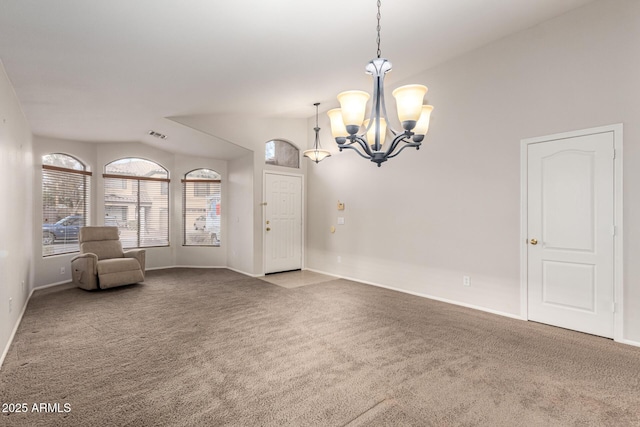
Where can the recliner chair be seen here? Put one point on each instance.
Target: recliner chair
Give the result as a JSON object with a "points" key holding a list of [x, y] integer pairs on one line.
{"points": [[102, 263]]}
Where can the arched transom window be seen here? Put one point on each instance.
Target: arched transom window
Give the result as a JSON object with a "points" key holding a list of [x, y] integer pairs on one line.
{"points": [[281, 153]]}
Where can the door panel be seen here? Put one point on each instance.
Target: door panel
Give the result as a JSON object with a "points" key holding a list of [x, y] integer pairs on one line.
{"points": [[283, 223], [571, 215]]}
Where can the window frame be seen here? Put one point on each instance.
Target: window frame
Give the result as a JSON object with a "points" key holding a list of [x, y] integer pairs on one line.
{"points": [[194, 193], [86, 204], [274, 160], [136, 182]]}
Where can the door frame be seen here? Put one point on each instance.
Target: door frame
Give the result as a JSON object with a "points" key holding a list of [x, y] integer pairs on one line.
{"points": [[618, 246], [264, 216]]}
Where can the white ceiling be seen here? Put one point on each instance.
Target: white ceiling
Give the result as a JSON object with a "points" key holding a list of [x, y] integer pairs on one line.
{"points": [[111, 70]]}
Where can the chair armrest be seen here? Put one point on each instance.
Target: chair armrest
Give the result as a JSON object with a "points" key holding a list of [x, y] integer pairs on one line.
{"points": [[139, 254], [90, 256]]}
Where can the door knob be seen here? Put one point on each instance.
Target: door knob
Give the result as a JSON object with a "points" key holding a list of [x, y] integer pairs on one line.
{"points": [[268, 228], [534, 242]]}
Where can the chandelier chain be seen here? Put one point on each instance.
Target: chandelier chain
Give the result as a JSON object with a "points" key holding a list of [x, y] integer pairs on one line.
{"points": [[378, 29]]}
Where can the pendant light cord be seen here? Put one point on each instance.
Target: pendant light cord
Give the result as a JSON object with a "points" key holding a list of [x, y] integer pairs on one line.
{"points": [[316, 104], [378, 30]]}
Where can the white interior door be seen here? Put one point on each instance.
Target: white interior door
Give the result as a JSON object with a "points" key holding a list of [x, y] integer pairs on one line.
{"points": [[570, 251], [283, 222]]}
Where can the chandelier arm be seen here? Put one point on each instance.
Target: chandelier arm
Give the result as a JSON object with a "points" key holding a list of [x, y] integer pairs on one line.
{"points": [[409, 144], [355, 148], [363, 144], [384, 107], [403, 137], [378, 68], [375, 71]]}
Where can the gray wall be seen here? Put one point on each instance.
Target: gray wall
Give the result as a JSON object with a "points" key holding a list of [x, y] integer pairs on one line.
{"points": [[426, 218]]}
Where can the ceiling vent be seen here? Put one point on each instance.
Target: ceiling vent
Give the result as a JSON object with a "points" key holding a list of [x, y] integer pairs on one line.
{"points": [[157, 134]]}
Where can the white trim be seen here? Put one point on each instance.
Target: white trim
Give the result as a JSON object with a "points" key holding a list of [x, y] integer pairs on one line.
{"points": [[630, 342], [204, 267], [323, 272], [618, 251], [244, 272], [419, 294], [183, 266], [50, 285], [262, 223], [15, 328]]}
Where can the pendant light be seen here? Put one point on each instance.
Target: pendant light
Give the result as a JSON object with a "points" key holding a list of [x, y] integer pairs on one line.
{"points": [[317, 154]]}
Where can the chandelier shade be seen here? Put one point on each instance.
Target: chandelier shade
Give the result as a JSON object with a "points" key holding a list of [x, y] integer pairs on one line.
{"points": [[409, 102], [347, 121], [371, 132], [353, 104], [338, 130]]}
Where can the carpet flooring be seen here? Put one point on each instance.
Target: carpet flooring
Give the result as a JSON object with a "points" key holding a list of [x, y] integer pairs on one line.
{"points": [[192, 347]]}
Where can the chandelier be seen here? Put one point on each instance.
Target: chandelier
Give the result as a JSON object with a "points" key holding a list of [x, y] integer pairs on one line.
{"points": [[371, 144], [316, 154]]}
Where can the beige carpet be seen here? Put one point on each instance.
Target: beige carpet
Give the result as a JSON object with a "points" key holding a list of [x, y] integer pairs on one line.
{"points": [[214, 347]]}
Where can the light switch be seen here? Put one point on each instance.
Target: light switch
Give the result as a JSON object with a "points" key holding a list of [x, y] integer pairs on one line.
{"points": [[340, 220]]}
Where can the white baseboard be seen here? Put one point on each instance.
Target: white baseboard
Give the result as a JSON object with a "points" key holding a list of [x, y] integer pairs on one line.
{"points": [[185, 266], [15, 328], [325, 273], [630, 342], [419, 294], [243, 272], [51, 285], [205, 266]]}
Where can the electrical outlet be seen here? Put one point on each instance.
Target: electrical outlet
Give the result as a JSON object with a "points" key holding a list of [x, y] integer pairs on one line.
{"points": [[22, 286], [10, 304], [62, 270], [466, 281], [339, 259]]}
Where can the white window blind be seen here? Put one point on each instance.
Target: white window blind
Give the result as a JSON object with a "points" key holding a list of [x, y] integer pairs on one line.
{"points": [[65, 203], [136, 198], [201, 208]]}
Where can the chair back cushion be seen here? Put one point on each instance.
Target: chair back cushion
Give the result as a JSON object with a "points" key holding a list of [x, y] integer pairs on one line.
{"points": [[102, 241]]}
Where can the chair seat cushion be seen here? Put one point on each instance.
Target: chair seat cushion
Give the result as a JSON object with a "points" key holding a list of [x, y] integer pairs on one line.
{"points": [[116, 265]]}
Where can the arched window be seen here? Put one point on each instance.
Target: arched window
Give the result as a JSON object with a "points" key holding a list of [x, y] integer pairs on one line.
{"points": [[281, 153], [136, 199], [201, 208], [66, 183]]}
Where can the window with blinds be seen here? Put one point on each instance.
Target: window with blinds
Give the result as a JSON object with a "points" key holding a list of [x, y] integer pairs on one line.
{"points": [[201, 210], [136, 200], [66, 185]]}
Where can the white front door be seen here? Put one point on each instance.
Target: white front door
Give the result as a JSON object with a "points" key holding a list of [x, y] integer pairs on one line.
{"points": [[283, 222], [570, 251]]}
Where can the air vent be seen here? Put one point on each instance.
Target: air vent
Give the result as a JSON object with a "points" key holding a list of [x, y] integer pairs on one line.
{"points": [[157, 134]]}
